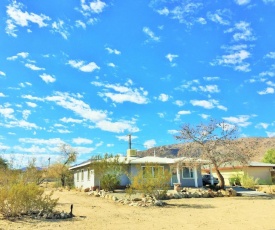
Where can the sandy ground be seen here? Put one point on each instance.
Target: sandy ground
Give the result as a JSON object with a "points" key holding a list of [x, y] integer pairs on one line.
{"points": [[202, 213]]}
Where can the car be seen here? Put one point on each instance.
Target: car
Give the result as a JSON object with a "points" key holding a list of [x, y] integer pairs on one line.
{"points": [[206, 180]]}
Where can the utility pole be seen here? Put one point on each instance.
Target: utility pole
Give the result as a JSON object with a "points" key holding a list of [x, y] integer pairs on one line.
{"points": [[130, 142]]}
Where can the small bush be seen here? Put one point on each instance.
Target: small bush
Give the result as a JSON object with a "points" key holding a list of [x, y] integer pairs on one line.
{"points": [[249, 181], [109, 182], [235, 179], [18, 197]]}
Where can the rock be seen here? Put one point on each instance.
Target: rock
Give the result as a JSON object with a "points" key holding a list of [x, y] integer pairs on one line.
{"points": [[114, 198], [158, 203], [136, 199]]}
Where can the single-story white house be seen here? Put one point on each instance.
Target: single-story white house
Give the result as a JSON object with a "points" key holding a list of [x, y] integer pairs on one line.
{"points": [[184, 171], [265, 172]]}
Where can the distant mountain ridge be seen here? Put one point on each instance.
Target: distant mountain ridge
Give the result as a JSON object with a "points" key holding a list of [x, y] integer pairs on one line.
{"points": [[262, 145]]}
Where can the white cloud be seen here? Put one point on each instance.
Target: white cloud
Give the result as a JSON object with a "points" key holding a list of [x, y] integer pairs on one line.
{"points": [[179, 103], [268, 90], [70, 120], [37, 141], [180, 113], [244, 32], [21, 54], [204, 116], [163, 97], [126, 137], [270, 134], [59, 27], [122, 93], [79, 23], [218, 17], [111, 65], [242, 2], [161, 115], [26, 114], [201, 21], [262, 125], [209, 88], [117, 126], [96, 6], [47, 78], [113, 51], [16, 17], [210, 104], [6, 112], [80, 65], [268, 1], [270, 55], [172, 131], [31, 104], [150, 34], [2, 95], [2, 73], [211, 78], [149, 144], [163, 11], [241, 120], [81, 141], [33, 67], [171, 57]]}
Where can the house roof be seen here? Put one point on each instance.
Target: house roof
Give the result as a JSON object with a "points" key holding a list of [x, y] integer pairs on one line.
{"points": [[148, 159], [260, 164]]}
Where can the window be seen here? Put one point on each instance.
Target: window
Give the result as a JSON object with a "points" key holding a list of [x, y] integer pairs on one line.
{"points": [[82, 175], [152, 171], [77, 176], [187, 173]]}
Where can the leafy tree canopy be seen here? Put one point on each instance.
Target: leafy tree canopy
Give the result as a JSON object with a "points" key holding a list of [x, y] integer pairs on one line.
{"points": [[269, 156]]}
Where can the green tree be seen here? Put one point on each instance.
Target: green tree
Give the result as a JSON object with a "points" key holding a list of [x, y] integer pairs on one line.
{"points": [[269, 156], [3, 163], [61, 168], [151, 179], [108, 169], [217, 142]]}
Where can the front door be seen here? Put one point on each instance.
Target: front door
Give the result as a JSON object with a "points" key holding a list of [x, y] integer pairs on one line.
{"points": [[174, 178]]}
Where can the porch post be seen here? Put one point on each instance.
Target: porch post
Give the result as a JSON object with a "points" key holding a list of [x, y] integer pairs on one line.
{"points": [[178, 173], [195, 176], [211, 175]]}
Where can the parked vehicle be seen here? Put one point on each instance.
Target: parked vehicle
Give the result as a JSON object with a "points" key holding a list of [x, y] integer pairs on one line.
{"points": [[206, 179]]}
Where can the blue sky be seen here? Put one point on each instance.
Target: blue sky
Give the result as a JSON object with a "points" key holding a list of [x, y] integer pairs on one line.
{"points": [[88, 73]]}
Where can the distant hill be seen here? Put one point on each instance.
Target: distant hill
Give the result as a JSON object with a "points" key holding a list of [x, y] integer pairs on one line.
{"points": [[262, 145]]}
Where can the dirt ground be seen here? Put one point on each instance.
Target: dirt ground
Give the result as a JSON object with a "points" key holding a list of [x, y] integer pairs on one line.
{"points": [[194, 213]]}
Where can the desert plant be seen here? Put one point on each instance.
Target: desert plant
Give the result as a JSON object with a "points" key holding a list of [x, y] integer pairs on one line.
{"points": [[249, 181], [18, 197], [235, 179], [109, 182], [151, 180]]}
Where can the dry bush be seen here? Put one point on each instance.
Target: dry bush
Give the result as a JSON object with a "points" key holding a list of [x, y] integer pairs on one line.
{"points": [[18, 197]]}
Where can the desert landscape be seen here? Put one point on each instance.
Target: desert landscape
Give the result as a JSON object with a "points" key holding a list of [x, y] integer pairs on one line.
{"points": [[193, 213]]}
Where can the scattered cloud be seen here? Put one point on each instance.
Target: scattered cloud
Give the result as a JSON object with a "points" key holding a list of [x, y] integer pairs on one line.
{"points": [[81, 141], [2, 73], [270, 55], [182, 112], [122, 93], [21, 54], [204, 116], [47, 78], [241, 120], [113, 51], [242, 32], [150, 34], [179, 103], [80, 65], [268, 90], [80, 24], [95, 7], [171, 57], [242, 2], [172, 131], [17, 17], [31, 104], [163, 97], [60, 28], [149, 144], [262, 125], [210, 104], [218, 17], [33, 67]]}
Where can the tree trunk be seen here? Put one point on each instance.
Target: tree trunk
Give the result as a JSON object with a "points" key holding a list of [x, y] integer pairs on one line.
{"points": [[220, 176], [62, 180]]}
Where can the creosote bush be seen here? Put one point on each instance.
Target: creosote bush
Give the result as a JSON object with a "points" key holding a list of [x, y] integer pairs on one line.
{"points": [[20, 197], [152, 180], [109, 182], [249, 181]]}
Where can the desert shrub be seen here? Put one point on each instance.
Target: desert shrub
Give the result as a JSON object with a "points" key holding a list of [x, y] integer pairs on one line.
{"points": [[18, 197], [109, 182], [249, 181], [151, 180], [235, 179]]}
